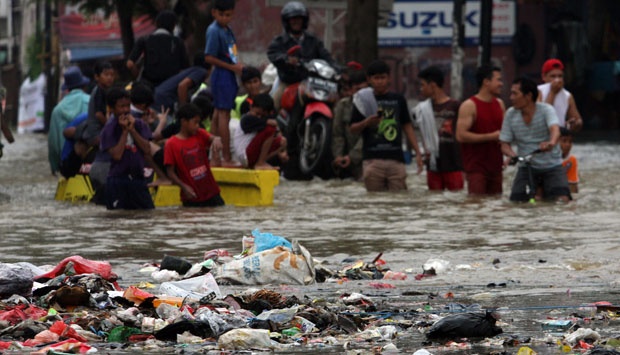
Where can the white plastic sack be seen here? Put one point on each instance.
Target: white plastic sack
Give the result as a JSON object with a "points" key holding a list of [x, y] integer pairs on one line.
{"points": [[274, 266], [196, 287], [245, 338]]}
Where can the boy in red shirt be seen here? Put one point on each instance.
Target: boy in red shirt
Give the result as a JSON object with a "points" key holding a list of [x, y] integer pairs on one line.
{"points": [[187, 160]]}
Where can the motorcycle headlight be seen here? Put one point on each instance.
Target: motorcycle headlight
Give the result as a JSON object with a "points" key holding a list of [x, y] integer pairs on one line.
{"points": [[326, 71]]}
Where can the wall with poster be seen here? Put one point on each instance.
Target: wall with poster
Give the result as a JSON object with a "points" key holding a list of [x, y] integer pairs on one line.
{"points": [[31, 105]]}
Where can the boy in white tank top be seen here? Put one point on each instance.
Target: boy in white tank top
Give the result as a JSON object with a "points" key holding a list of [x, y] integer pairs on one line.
{"points": [[553, 93]]}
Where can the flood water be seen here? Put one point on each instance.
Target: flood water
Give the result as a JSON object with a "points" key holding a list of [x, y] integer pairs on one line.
{"points": [[549, 254]]}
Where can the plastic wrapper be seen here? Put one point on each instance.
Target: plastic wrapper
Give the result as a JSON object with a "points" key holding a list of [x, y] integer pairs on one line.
{"points": [[197, 288], [245, 338], [76, 265], [266, 241], [220, 323], [136, 295]]}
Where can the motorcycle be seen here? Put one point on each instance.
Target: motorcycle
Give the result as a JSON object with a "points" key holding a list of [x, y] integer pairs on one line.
{"points": [[525, 161], [316, 94]]}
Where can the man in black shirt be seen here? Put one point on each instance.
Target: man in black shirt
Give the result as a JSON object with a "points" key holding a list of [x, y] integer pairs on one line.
{"points": [[295, 20], [164, 54]]}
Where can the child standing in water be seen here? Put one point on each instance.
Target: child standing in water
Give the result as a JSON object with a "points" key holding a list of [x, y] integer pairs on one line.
{"points": [[187, 161], [569, 162]]}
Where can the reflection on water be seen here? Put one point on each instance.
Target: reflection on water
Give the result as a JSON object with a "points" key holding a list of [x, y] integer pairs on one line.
{"points": [[538, 245]]}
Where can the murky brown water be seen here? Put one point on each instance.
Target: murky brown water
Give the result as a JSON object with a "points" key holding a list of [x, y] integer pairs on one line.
{"points": [[546, 249]]}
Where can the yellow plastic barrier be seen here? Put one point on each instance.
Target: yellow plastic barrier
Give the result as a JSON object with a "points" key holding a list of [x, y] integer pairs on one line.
{"points": [[75, 189], [239, 187], [246, 187], [166, 195]]}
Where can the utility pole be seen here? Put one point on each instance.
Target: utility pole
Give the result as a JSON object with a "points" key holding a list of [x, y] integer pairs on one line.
{"points": [[458, 51], [51, 96], [486, 22], [362, 31]]}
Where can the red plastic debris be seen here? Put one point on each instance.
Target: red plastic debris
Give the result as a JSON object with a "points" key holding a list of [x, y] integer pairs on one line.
{"points": [[77, 265]]}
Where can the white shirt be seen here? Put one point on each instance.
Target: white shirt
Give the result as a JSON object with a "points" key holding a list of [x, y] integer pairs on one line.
{"points": [[240, 142], [560, 103]]}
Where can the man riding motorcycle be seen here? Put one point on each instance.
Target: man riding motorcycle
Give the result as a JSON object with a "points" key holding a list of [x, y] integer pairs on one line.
{"points": [[295, 20]]}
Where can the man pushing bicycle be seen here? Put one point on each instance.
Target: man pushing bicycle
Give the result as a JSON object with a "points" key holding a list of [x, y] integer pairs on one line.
{"points": [[534, 126]]}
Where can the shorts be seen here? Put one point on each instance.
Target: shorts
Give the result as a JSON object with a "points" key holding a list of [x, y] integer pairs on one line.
{"points": [[384, 175], [484, 183], [224, 88], [450, 180], [252, 152], [124, 192], [215, 201], [553, 181]]}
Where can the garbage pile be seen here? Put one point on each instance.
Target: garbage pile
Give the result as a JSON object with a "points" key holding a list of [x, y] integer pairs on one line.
{"points": [[78, 307]]}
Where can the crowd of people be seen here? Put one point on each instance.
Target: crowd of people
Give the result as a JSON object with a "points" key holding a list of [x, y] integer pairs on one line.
{"points": [[176, 121]]}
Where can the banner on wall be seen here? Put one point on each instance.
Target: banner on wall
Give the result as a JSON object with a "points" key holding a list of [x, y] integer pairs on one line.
{"points": [[417, 23], [31, 105], [94, 36]]}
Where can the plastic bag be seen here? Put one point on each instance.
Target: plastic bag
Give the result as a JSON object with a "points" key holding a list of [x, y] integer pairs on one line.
{"points": [[281, 316], [136, 295], [220, 323], [76, 265], [196, 287], [266, 241], [274, 266], [15, 280], [365, 102]]}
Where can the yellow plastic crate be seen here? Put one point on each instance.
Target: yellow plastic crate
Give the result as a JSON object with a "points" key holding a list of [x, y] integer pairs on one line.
{"points": [[75, 189], [239, 187]]}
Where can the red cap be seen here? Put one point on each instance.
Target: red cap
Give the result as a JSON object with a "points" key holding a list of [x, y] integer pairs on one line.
{"points": [[551, 64], [354, 65]]}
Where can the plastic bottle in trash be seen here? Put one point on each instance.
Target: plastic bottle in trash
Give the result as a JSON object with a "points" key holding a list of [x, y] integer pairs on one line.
{"points": [[247, 245], [291, 331]]}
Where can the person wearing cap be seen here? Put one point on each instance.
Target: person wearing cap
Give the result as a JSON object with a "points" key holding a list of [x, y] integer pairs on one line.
{"points": [[554, 93], [71, 105]]}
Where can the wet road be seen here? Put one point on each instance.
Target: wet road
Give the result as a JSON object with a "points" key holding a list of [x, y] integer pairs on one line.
{"points": [[548, 253]]}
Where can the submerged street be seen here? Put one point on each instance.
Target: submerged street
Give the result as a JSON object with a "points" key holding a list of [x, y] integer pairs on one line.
{"points": [[544, 254]]}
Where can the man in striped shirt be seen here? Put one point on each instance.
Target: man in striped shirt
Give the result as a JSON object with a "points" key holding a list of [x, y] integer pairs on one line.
{"points": [[534, 126]]}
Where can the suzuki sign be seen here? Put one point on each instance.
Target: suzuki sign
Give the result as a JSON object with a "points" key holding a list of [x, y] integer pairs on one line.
{"points": [[429, 23]]}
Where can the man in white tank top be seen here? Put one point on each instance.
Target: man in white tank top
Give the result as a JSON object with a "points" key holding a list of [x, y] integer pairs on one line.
{"points": [[553, 93]]}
